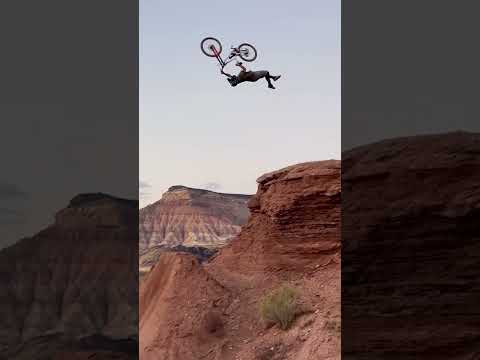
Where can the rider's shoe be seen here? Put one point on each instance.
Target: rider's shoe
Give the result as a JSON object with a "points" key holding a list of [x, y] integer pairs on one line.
{"points": [[275, 78], [271, 86]]}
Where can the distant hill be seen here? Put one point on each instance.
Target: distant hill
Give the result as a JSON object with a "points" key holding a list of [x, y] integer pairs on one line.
{"points": [[73, 284], [191, 218]]}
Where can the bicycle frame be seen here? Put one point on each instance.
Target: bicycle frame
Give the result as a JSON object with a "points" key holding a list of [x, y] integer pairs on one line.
{"points": [[233, 54]]}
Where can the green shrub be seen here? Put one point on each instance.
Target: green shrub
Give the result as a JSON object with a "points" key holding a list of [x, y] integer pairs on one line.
{"points": [[280, 306]]}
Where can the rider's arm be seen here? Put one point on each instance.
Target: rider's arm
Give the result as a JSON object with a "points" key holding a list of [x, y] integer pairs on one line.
{"points": [[239, 64], [226, 74]]}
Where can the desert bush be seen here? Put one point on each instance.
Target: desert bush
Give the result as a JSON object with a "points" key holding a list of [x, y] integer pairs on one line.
{"points": [[280, 306]]}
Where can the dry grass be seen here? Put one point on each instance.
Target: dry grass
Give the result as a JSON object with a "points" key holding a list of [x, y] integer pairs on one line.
{"points": [[280, 306], [143, 272]]}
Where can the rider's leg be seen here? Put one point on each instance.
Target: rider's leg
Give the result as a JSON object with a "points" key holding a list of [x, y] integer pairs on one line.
{"points": [[255, 75], [268, 77], [273, 77]]}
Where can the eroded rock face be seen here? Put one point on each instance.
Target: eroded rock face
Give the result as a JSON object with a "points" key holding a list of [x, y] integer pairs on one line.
{"points": [[295, 220], [191, 312], [411, 248], [192, 217], [77, 278]]}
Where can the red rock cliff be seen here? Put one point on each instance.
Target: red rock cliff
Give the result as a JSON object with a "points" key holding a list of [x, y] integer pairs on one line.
{"points": [[295, 220]]}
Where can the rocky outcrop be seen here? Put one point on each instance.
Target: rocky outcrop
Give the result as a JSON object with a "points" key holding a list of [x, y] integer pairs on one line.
{"points": [[295, 220], [411, 248], [191, 218], [76, 279], [293, 236]]}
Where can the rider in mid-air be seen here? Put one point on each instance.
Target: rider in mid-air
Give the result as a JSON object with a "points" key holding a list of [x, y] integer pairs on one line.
{"points": [[251, 76]]}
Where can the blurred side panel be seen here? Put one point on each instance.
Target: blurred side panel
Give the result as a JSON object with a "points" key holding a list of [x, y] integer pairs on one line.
{"points": [[69, 179], [410, 175]]}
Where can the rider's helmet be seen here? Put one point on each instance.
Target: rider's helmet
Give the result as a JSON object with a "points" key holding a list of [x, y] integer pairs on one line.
{"points": [[233, 80]]}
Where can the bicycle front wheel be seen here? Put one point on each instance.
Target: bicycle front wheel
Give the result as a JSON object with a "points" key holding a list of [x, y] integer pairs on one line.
{"points": [[247, 52], [210, 45]]}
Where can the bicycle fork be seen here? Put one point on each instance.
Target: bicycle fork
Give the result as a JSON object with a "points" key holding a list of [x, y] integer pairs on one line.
{"points": [[217, 55]]}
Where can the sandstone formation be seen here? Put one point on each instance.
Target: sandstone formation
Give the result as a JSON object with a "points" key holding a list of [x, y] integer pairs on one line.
{"points": [[190, 312], [190, 218], [411, 248], [295, 221], [73, 281]]}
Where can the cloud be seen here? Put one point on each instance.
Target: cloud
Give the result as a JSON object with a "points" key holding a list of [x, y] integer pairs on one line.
{"points": [[212, 186]]}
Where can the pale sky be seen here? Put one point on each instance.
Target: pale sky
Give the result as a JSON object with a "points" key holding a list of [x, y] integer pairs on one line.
{"points": [[195, 129]]}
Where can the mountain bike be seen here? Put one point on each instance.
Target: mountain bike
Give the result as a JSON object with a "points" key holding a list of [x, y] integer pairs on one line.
{"points": [[212, 47]]}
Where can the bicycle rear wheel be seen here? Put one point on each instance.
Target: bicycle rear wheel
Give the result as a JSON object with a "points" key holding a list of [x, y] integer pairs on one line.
{"points": [[247, 52], [208, 44]]}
